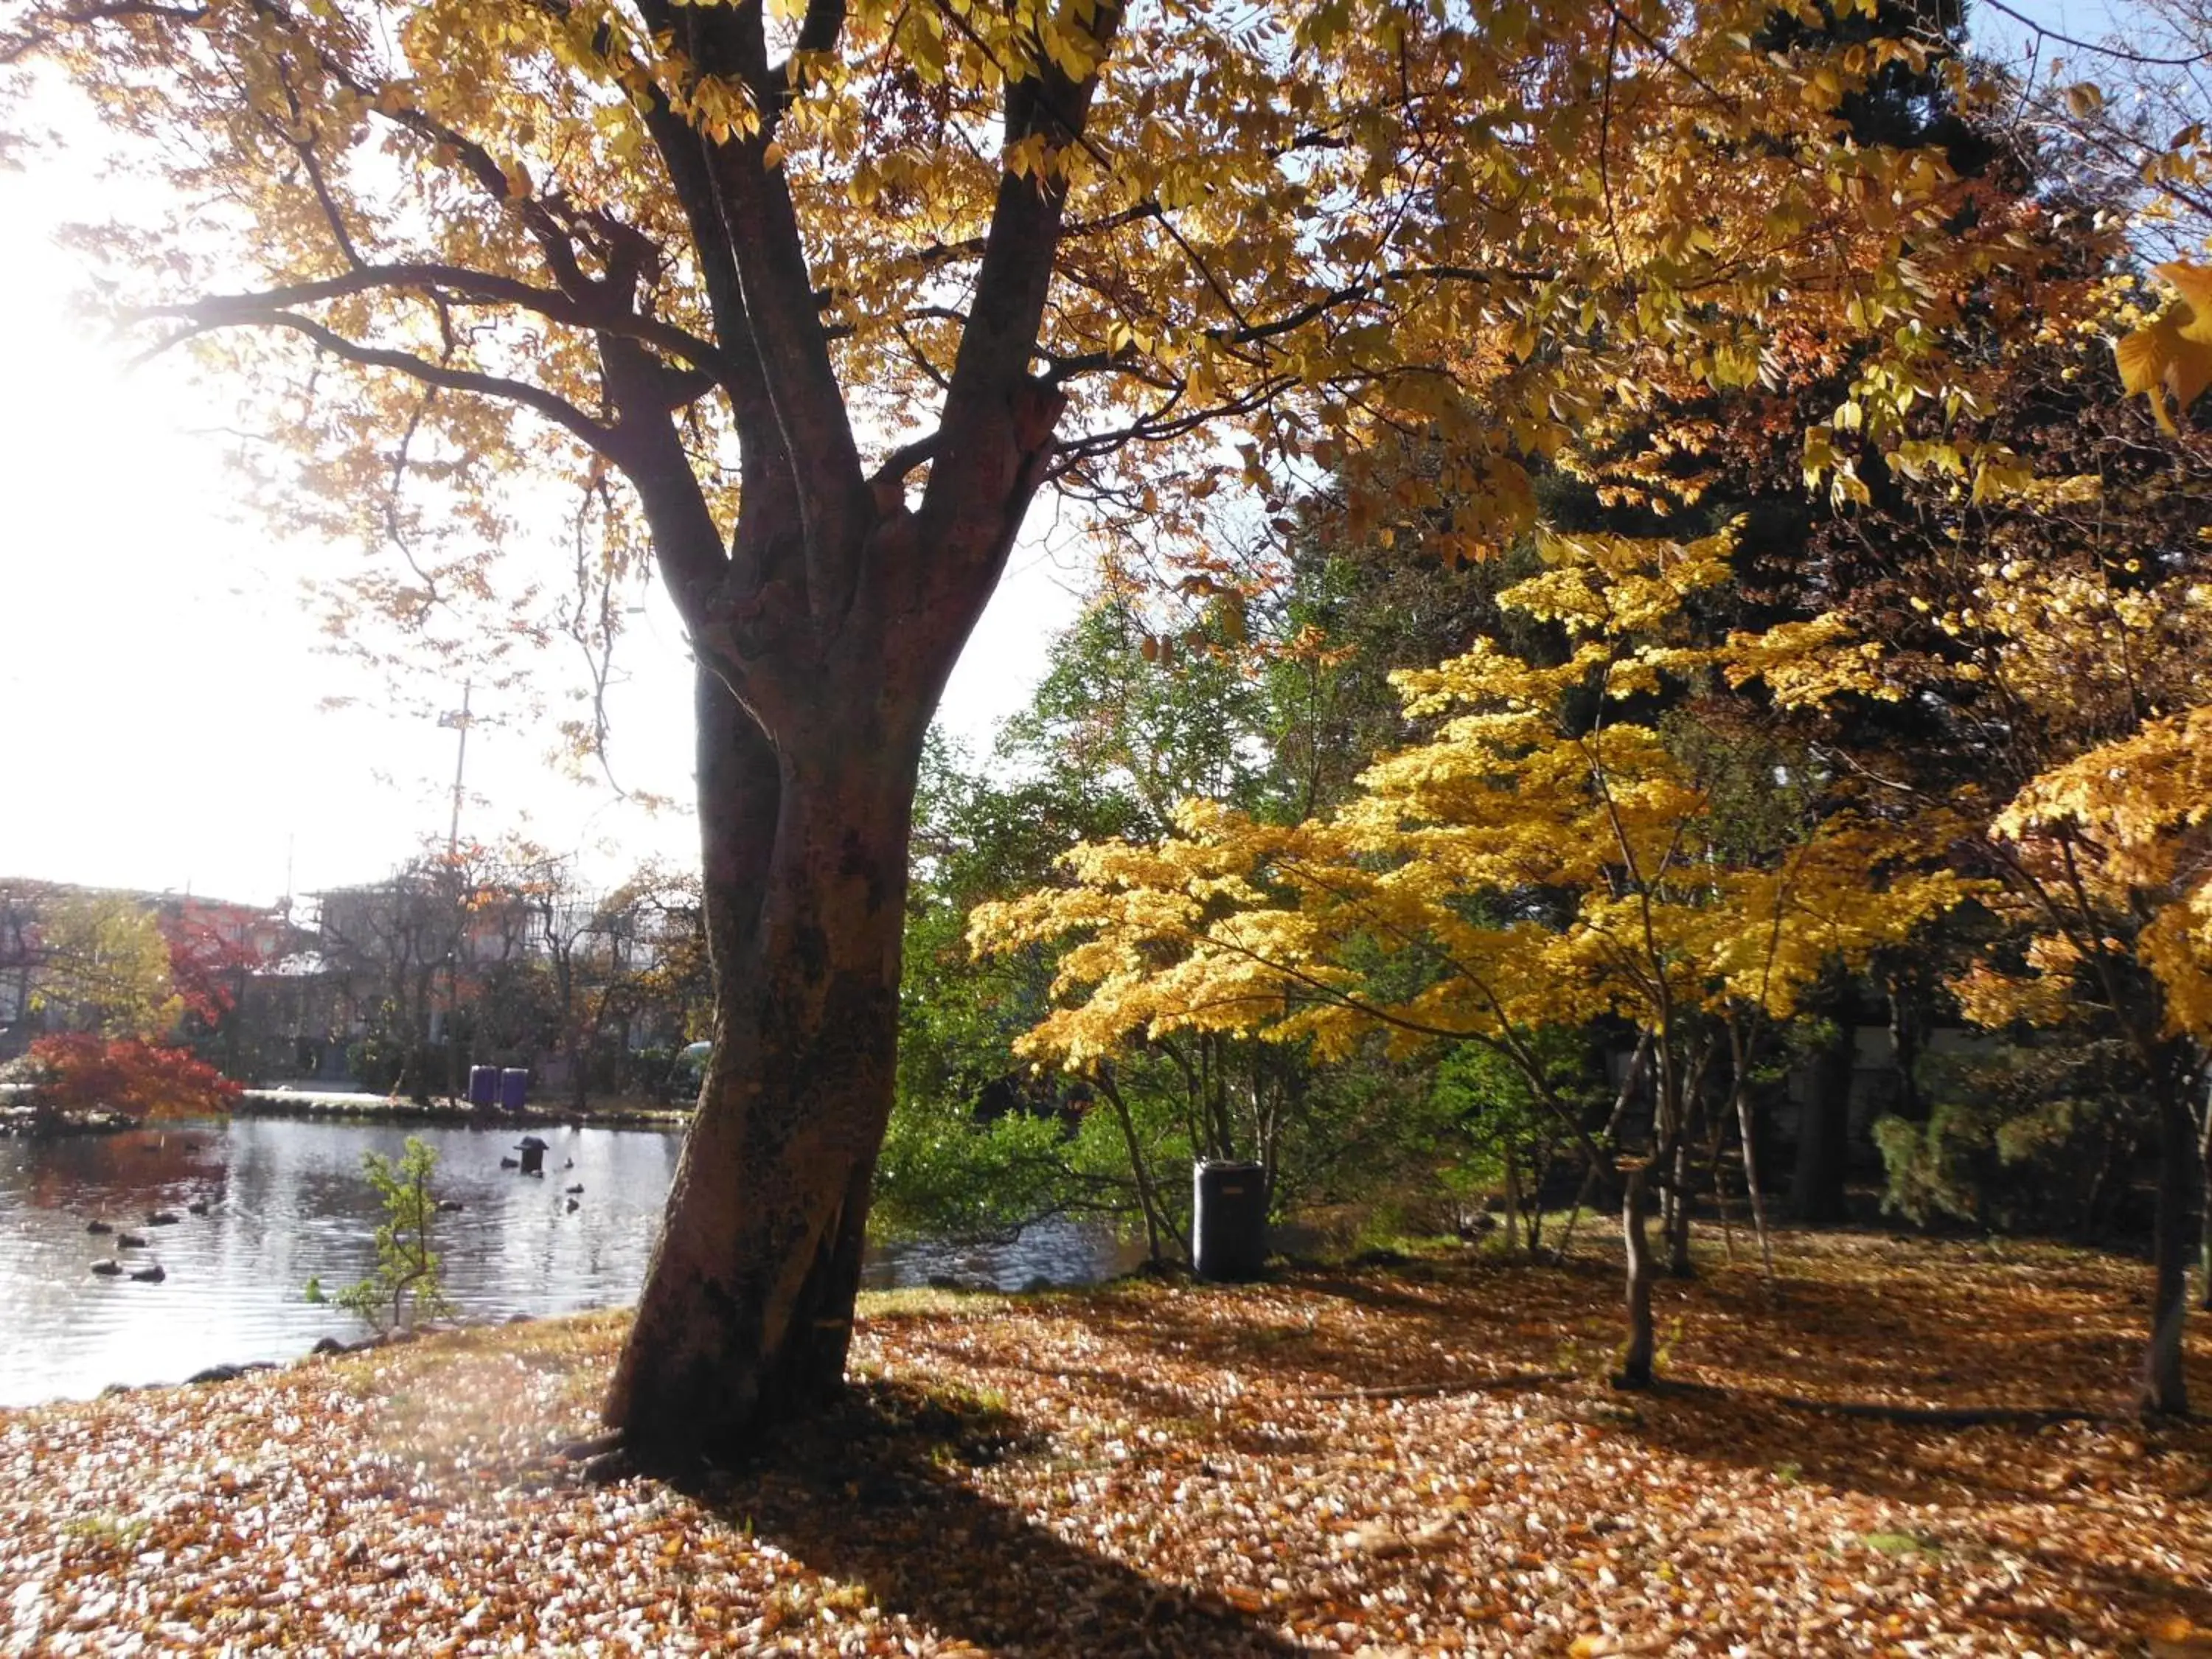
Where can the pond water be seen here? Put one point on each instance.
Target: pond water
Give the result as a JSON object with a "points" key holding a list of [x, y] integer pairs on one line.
{"points": [[286, 1202]]}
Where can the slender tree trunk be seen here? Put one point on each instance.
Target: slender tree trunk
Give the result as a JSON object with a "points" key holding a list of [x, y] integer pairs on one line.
{"points": [[1747, 1119], [1746, 1133], [1907, 994], [2110, 1168], [2165, 1389], [1538, 1182], [1512, 1202], [1592, 1173], [1674, 1212], [1156, 1225], [747, 1311], [1636, 1356], [2204, 1206]]}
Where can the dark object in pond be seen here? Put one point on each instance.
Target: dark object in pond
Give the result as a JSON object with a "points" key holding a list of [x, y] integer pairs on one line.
{"points": [[108, 1269], [129, 1242], [160, 1218], [573, 1206], [578, 1187], [533, 1154], [98, 1227], [510, 1164], [151, 1273], [198, 1206], [451, 1206]]}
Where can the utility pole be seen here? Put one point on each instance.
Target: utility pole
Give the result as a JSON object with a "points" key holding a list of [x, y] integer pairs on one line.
{"points": [[458, 721]]}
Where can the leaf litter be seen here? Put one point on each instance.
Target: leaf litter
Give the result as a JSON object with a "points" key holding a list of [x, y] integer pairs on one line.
{"points": [[1417, 1461]]}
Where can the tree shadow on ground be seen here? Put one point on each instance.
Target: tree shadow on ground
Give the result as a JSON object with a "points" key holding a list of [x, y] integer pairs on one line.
{"points": [[1423, 1326], [1961, 1485], [1150, 1403], [876, 1494]]}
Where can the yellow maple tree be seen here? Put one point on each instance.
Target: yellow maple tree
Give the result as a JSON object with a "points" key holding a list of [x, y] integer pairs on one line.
{"points": [[2100, 669], [1554, 854]]}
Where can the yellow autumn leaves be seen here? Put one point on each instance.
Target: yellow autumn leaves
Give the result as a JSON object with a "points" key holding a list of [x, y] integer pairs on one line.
{"points": [[2170, 357], [1539, 860]]}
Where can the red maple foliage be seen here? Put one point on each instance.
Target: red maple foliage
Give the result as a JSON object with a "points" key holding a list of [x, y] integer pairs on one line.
{"points": [[79, 1072], [208, 959]]}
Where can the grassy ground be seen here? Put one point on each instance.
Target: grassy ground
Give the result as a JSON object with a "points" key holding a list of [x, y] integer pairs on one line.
{"points": [[1419, 1460]]}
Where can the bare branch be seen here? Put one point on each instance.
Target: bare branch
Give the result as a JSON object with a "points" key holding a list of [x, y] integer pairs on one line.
{"points": [[467, 286], [536, 398]]}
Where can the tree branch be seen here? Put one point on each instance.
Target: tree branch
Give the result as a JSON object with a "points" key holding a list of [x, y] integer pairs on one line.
{"points": [[1007, 312], [558, 410], [467, 286]]}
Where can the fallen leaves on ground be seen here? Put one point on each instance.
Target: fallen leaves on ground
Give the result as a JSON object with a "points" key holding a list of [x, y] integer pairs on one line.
{"points": [[1414, 1461]]}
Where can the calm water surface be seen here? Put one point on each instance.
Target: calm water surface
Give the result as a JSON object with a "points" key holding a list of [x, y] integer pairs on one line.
{"points": [[286, 1202]]}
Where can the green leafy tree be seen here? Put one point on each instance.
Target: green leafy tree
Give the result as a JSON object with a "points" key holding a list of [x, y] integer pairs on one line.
{"points": [[104, 967], [405, 1285]]}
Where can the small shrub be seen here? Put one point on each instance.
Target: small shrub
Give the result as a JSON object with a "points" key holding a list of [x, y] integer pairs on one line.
{"points": [[404, 1285], [2024, 1139]]}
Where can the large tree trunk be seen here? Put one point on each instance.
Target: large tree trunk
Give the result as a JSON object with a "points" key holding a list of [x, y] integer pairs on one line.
{"points": [[824, 633], [1824, 1125], [2165, 1389], [747, 1311]]}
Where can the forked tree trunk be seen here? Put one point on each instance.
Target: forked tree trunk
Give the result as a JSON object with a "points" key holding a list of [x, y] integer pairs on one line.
{"points": [[2165, 1390], [747, 1311], [825, 627]]}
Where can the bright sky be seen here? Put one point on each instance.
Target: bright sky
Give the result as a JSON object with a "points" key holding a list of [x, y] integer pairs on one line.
{"points": [[159, 683]]}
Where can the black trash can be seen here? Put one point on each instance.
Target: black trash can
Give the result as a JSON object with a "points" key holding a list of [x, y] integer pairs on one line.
{"points": [[533, 1155], [1228, 1219]]}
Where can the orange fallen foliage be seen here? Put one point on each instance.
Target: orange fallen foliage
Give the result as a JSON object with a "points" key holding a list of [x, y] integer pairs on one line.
{"points": [[1183, 1471]]}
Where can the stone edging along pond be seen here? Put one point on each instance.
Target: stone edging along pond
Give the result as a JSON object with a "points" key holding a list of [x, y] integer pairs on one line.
{"points": [[328, 1345], [16, 1119], [293, 1102]]}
